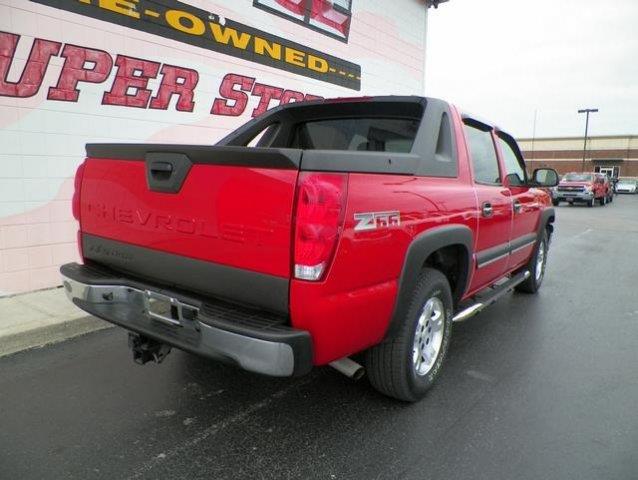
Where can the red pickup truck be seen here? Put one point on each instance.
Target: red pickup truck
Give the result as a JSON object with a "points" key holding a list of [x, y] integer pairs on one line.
{"points": [[587, 187], [315, 232]]}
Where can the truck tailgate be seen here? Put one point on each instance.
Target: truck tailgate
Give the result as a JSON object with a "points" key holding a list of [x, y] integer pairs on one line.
{"points": [[215, 220]]}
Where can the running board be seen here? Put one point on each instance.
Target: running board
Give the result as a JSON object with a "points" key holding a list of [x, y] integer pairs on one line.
{"points": [[487, 298]]}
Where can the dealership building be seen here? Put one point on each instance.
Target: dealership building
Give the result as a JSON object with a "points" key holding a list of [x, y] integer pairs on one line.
{"points": [[616, 155], [79, 71]]}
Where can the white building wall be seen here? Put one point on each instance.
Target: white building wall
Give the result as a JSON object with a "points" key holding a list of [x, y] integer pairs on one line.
{"points": [[43, 131]]}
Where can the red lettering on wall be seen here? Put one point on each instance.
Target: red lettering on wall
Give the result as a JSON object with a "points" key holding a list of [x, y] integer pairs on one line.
{"points": [[133, 75], [36, 66], [310, 98], [176, 81], [228, 92], [265, 93], [290, 96], [130, 85], [80, 65]]}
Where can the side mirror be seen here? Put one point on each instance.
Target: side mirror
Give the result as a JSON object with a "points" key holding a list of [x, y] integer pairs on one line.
{"points": [[545, 177]]}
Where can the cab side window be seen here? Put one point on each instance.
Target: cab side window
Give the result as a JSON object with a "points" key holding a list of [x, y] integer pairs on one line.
{"points": [[484, 160], [514, 165]]}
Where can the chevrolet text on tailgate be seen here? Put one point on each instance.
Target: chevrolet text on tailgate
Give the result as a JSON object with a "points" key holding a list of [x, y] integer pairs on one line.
{"points": [[315, 232]]}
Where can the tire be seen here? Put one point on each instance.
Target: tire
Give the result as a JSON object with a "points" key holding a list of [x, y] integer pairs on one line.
{"points": [[590, 203], [393, 365], [535, 280], [603, 201], [556, 203]]}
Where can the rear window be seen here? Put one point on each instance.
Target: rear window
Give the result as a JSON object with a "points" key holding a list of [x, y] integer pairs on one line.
{"points": [[363, 134]]}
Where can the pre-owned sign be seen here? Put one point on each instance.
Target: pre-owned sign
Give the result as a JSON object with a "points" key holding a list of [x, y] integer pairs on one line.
{"points": [[188, 24]]}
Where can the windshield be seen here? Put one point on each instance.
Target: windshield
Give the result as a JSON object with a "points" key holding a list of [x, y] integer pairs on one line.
{"points": [[367, 134], [578, 177]]}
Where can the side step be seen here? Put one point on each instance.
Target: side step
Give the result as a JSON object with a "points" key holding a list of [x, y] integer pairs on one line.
{"points": [[489, 296]]}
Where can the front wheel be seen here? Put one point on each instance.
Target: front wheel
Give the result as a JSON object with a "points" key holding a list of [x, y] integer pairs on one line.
{"points": [[590, 203], [405, 365], [536, 267], [556, 203]]}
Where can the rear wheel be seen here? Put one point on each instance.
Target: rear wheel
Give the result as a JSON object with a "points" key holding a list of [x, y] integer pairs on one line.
{"points": [[406, 365], [536, 267]]}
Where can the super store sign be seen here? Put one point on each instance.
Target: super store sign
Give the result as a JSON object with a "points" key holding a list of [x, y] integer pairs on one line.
{"points": [[130, 85], [188, 24]]}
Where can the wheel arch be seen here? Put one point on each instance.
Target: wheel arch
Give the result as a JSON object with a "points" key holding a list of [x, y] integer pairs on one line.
{"points": [[430, 248], [547, 218]]}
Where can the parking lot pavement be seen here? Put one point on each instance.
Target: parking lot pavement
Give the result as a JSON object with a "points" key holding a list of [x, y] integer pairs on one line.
{"points": [[536, 387]]}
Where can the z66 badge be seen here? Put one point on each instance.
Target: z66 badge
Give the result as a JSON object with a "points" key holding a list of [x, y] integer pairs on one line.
{"points": [[375, 220]]}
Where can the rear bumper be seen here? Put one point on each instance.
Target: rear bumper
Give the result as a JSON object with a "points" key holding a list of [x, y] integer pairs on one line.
{"points": [[253, 340]]}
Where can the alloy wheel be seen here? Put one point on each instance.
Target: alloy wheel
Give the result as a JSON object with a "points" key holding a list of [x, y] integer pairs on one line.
{"points": [[428, 336]]}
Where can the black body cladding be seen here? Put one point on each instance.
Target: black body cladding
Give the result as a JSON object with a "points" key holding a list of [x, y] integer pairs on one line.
{"points": [[175, 271], [418, 252]]}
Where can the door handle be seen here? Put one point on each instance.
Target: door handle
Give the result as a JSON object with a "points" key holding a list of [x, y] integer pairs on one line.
{"points": [[518, 206], [487, 209]]}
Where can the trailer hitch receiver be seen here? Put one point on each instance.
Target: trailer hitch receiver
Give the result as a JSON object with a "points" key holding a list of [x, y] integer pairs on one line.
{"points": [[146, 349]]}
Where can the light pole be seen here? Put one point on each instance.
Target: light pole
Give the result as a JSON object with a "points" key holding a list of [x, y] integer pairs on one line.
{"points": [[587, 111]]}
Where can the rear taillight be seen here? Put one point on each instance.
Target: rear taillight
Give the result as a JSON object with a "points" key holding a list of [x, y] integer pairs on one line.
{"points": [[321, 202], [75, 203], [77, 184]]}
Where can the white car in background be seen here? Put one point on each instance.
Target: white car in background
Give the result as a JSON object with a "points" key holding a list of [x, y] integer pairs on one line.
{"points": [[627, 185]]}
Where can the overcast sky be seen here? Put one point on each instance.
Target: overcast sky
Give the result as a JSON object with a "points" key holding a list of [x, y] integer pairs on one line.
{"points": [[503, 59]]}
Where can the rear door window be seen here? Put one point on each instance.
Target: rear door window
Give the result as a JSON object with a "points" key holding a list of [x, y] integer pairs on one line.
{"points": [[362, 134], [484, 160]]}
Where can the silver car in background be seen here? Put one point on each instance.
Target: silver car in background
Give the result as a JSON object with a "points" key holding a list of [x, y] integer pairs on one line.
{"points": [[627, 185]]}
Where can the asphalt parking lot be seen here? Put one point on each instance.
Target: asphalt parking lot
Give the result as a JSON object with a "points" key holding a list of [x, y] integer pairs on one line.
{"points": [[536, 387]]}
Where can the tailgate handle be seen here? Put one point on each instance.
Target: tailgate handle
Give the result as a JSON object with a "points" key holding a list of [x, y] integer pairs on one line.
{"points": [[161, 167], [166, 171], [161, 170]]}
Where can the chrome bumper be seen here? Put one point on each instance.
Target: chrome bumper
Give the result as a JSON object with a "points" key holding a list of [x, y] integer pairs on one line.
{"points": [[577, 196], [278, 352]]}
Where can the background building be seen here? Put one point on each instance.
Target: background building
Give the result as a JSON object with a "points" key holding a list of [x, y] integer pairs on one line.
{"points": [[78, 71], [616, 155]]}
